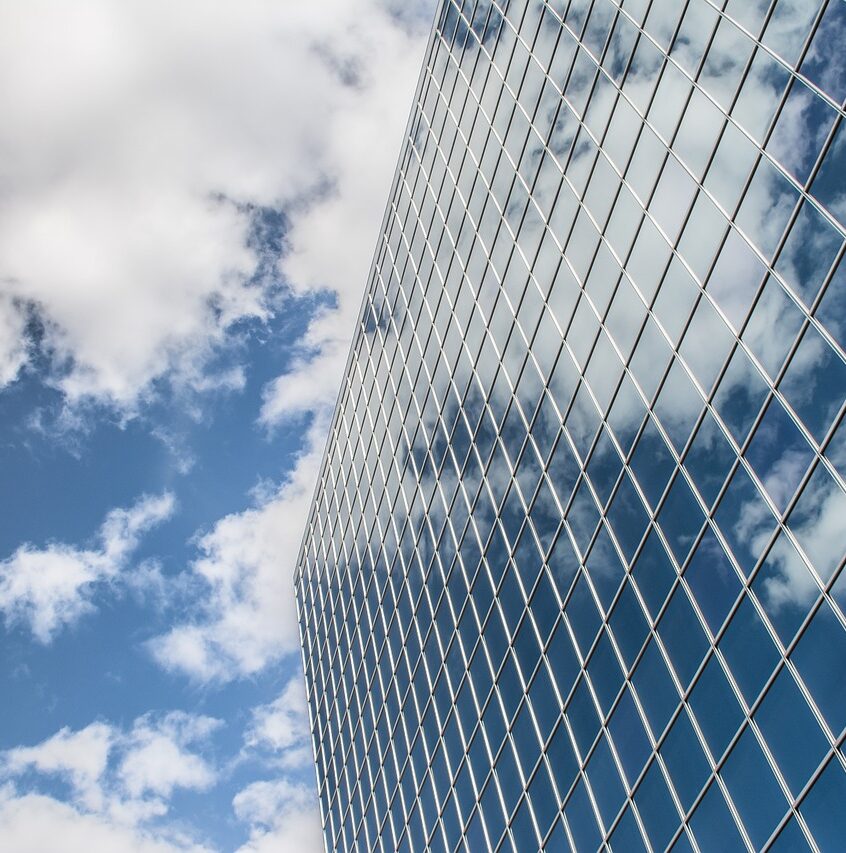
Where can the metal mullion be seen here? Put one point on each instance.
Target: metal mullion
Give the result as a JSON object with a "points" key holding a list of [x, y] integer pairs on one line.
{"points": [[782, 529], [546, 389], [658, 739], [459, 16], [794, 802], [501, 146], [487, 466], [792, 69], [808, 321], [780, 517], [470, 34], [725, 113], [749, 723], [839, 107], [559, 87], [421, 79]]}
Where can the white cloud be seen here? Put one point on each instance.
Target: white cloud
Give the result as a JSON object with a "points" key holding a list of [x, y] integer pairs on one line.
{"points": [[281, 727], [157, 759], [33, 823], [81, 757], [50, 588], [247, 617], [13, 345], [136, 139], [313, 380], [281, 815], [362, 154], [119, 782]]}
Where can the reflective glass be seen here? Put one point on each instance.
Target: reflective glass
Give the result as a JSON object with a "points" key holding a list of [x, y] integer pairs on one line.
{"points": [[573, 576]]}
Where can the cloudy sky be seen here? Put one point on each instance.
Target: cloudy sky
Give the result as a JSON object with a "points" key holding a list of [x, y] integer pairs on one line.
{"points": [[189, 197]]}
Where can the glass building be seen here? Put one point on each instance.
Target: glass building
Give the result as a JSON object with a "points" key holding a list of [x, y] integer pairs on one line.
{"points": [[573, 575]]}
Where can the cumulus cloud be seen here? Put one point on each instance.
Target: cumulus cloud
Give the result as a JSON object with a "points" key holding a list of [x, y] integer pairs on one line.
{"points": [[132, 172], [280, 813], [139, 139], [33, 823], [119, 785], [313, 379], [246, 617], [13, 345], [280, 728], [80, 756], [332, 241], [50, 588], [156, 759], [281, 816]]}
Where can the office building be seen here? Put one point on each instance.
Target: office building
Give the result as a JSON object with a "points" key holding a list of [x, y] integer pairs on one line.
{"points": [[573, 574]]}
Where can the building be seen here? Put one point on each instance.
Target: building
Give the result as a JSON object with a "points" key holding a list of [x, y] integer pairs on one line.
{"points": [[573, 572]]}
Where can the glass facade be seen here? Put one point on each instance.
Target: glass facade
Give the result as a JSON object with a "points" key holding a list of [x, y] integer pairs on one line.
{"points": [[572, 578]]}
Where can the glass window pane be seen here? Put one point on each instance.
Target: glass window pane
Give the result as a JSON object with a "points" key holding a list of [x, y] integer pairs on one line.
{"points": [[822, 807], [821, 501], [779, 454], [628, 624], [753, 788], [791, 732], [706, 344], [712, 580], [815, 383], [829, 186], [788, 28], [819, 64], [749, 650], [680, 518], [654, 573], [808, 253], [821, 651], [652, 462], [626, 837], [581, 819], [715, 707], [604, 778], [682, 636], [713, 825], [627, 516], [685, 760], [785, 587], [790, 838], [656, 808], [655, 688], [631, 741], [709, 459]]}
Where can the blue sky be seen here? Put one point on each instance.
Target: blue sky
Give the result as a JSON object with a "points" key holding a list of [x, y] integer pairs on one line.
{"points": [[190, 200]]}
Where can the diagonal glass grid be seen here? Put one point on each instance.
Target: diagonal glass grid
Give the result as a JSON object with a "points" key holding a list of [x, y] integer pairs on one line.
{"points": [[573, 571]]}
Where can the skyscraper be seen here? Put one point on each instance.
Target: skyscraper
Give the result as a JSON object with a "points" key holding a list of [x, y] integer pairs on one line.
{"points": [[573, 573]]}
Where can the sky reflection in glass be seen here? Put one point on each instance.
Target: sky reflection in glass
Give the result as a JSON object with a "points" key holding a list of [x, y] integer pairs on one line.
{"points": [[572, 573]]}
